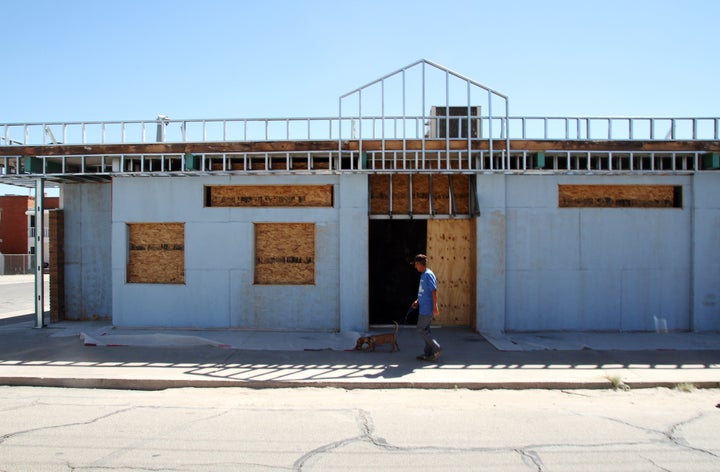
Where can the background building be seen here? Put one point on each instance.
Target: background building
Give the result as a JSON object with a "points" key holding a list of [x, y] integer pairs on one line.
{"points": [[17, 232]]}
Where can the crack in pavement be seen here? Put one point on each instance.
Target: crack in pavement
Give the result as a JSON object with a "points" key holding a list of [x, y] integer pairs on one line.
{"points": [[676, 438], [672, 435], [529, 454], [657, 466], [7, 436], [131, 446], [531, 459], [367, 435]]}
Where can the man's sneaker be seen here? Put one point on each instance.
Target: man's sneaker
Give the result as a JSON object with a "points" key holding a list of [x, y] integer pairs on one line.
{"points": [[423, 357], [435, 355]]}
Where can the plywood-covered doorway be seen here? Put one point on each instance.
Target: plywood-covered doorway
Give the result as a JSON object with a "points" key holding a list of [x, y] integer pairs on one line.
{"points": [[433, 214], [451, 251], [451, 248]]}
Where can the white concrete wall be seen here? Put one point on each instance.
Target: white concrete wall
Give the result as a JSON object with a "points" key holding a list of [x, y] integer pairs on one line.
{"points": [[88, 281], [491, 253], [580, 269], [219, 258], [540, 267], [354, 252], [706, 251]]}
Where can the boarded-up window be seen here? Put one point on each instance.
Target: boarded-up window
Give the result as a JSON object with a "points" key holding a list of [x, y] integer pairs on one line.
{"points": [[156, 253], [619, 196], [285, 253], [254, 196], [449, 194]]}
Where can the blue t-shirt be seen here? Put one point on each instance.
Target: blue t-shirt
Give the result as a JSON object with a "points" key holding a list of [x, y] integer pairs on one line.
{"points": [[428, 284]]}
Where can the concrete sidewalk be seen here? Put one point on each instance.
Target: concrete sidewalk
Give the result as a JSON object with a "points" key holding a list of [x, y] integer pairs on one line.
{"points": [[97, 355]]}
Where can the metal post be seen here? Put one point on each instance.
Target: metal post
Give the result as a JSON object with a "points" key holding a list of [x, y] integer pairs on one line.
{"points": [[382, 125], [447, 122], [507, 129], [422, 136], [162, 122], [39, 253], [469, 125], [490, 126], [404, 123]]}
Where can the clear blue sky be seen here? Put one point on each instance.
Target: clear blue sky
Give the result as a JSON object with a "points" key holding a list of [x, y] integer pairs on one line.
{"points": [[88, 60]]}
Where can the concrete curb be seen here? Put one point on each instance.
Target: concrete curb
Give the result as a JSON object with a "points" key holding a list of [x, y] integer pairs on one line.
{"points": [[163, 384]]}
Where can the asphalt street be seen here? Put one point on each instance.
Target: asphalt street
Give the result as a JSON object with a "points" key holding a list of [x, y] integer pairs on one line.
{"points": [[311, 429], [17, 295]]}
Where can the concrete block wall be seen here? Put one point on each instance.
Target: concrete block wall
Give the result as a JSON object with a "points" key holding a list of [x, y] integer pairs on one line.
{"points": [[706, 251], [541, 267], [87, 244], [491, 241], [219, 289]]}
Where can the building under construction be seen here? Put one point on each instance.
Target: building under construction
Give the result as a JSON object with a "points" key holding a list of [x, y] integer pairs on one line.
{"points": [[530, 223]]}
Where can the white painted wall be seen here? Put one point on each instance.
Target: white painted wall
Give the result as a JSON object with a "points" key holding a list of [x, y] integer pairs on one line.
{"points": [[491, 243], [706, 251], [219, 258], [88, 287], [354, 252], [540, 267], [582, 269]]}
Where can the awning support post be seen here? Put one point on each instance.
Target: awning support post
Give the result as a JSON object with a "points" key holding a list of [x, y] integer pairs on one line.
{"points": [[39, 253]]}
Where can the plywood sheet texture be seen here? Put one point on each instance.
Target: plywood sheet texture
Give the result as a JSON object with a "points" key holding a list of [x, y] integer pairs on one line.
{"points": [[156, 253], [451, 253], [254, 196], [285, 253], [421, 194], [619, 196], [447, 194]]}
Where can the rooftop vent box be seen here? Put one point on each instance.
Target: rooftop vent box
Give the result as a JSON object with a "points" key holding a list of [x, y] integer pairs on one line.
{"points": [[454, 122]]}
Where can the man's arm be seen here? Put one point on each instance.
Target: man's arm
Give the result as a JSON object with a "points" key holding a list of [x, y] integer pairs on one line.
{"points": [[435, 303]]}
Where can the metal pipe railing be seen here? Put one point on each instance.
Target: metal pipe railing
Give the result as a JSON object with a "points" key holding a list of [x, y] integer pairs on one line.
{"points": [[368, 127]]}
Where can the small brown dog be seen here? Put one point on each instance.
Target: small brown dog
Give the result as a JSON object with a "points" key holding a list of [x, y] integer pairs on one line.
{"points": [[375, 339]]}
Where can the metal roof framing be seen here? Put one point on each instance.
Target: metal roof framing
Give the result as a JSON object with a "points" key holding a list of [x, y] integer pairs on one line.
{"points": [[423, 64], [391, 132]]}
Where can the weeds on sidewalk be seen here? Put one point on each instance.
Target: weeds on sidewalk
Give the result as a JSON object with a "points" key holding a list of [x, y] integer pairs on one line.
{"points": [[685, 387], [618, 384]]}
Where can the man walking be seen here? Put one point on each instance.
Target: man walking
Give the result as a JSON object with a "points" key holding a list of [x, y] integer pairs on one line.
{"points": [[427, 306]]}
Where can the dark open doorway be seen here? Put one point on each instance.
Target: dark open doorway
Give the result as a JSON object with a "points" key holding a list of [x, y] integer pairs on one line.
{"points": [[393, 281]]}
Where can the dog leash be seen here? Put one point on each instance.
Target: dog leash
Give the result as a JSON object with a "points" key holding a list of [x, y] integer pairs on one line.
{"points": [[407, 313]]}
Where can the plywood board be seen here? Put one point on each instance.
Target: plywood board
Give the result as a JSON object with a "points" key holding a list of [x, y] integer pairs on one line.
{"points": [[421, 194], [421, 185], [461, 193], [619, 196], [379, 193], [441, 194], [156, 253], [269, 196], [285, 253], [401, 194], [451, 250]]}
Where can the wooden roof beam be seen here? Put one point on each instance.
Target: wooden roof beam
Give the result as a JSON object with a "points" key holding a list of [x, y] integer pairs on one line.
{"points": [[367, 145]]}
